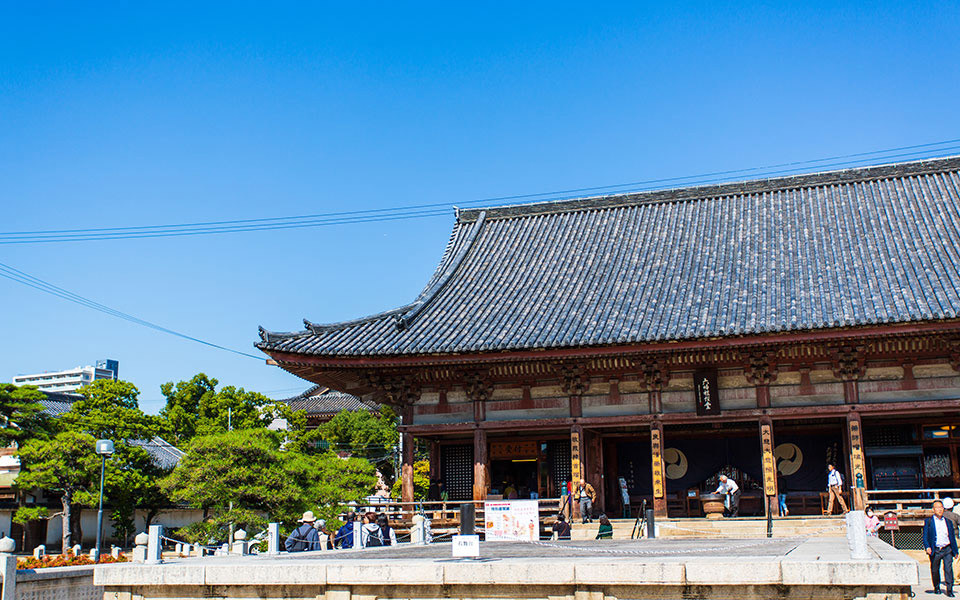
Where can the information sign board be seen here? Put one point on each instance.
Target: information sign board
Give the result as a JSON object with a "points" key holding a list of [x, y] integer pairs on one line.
{"points": [[512, 520], [466, 546]]}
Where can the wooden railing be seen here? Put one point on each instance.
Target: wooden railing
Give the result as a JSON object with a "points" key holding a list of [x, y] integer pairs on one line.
{"points": [[908, 502]]}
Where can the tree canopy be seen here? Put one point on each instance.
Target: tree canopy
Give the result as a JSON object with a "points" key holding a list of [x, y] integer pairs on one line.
{"points": [[21, 414]]}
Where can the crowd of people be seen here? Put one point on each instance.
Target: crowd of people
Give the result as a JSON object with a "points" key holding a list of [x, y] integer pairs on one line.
{"points": [[370, 530]]}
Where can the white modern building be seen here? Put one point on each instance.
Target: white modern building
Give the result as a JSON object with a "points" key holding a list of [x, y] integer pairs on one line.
{"points": [[71, 379]]}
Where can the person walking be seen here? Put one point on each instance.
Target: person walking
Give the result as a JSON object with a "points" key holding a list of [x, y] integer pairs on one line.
{"points": [[561, 528], [782, 494], [948, 513], [370, 532], [586, 496], [605, 531], [731, 493], [344, 536], [940, 542], [304, 538], [835, 489], [388, 536]]}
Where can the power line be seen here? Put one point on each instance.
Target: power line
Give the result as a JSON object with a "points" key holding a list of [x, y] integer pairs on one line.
{"points": [[36, 283], [941, 148]]}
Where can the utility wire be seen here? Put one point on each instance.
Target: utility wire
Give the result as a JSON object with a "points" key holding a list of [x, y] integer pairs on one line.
{"points": [[941, 148], [36, 283]]}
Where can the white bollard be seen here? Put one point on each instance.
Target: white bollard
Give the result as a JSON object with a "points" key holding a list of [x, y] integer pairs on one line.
{"points": [[154, 545], [273, 538], [40, 551], [77, 550], [198, 550], [140, 550], [240, 545], [857, 535], [8, 568], [115, 551]]}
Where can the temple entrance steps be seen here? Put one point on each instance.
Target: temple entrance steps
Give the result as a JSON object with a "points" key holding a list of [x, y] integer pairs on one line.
{"points": [[743, 527]]}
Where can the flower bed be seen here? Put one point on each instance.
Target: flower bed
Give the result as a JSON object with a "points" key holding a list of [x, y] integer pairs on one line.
{"points": [[65, 560]]}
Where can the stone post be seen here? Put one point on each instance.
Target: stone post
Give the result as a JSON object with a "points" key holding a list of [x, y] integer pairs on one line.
{"points": [[857, 535], [140, 550], [273, 538], [77, 550], [154, 545], [40, 551], [8, 563], [240, 544], [115, 551]]}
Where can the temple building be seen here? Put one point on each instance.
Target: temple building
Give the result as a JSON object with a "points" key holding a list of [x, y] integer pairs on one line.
{"points": [[666, 337]]}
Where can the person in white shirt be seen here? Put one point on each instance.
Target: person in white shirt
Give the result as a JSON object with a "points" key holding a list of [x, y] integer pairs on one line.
{"points": [[834, 489], [940, 542], [731, 493]]}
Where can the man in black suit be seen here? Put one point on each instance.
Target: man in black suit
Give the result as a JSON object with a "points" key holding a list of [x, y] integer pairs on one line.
{"points": [[940, 542]]}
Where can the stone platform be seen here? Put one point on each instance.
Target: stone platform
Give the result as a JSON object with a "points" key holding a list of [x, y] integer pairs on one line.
{"points": [[741, 527], [575, 570]]}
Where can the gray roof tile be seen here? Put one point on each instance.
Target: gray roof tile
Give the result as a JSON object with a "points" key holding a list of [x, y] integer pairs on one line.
{"points": [[844, 248]]}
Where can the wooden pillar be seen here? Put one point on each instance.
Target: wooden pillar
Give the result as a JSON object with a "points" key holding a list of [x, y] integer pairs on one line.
{"points": [[406, 474], [577, 470], [761, 370], [434, 460], [857, 462], [481, 481], [769, 464], [659, 481]]}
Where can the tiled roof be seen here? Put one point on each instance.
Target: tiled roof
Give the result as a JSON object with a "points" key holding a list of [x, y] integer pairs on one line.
{"points": [[162, 453], [844, 248], [319, 400], [58, 403]]}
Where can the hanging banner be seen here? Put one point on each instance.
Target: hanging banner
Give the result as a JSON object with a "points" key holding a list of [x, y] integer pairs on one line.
{"points": [[707, 392], [576, 474], [656, 455], [512, 520], [857, 463], [769, 463]]}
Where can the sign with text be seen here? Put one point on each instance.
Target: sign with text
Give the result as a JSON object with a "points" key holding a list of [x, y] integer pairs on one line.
{"points": [[466, 546], [656, 456], [508, 450], [857, 463], [769, 463], [575, 473], [512, 520], [890, 521], [707, 392]]}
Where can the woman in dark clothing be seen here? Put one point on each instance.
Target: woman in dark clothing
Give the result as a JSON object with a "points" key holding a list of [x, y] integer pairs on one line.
{"points": [[605, 532]]}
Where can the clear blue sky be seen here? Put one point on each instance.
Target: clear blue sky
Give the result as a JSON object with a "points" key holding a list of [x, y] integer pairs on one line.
{"points": [[122, 115]]}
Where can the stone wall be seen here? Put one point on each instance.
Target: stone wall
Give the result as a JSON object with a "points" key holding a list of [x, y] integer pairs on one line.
{"points": [[57, 583]]}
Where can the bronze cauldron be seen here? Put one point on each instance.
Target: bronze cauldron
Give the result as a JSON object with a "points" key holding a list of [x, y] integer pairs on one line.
{"points": [[712, 505]]}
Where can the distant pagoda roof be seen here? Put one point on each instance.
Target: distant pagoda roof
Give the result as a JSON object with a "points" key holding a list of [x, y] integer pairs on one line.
{"points": [[862, 246], [322, 401]]}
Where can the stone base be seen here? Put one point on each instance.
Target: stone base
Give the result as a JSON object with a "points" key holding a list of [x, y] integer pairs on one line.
{"points": [[602, 570]]}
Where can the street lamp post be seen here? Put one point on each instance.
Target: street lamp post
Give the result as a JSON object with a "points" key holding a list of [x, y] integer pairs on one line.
{"points": [[104, 449]]}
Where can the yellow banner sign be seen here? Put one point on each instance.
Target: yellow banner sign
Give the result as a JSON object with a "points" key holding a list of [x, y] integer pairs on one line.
{"points": [[656, 455], [769, 462]]}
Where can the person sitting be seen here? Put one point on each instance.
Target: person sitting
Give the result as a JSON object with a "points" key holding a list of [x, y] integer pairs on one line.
{"points": [[873, 522], [304, 538], [605, 531], [561, 528]]}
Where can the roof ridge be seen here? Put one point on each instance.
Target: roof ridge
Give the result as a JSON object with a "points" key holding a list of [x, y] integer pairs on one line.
{"points": [[705, 192]]}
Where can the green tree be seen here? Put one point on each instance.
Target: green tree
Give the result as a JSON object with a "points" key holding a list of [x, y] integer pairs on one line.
{"points": [[421, 482], [364, 435], [249, 469], [66, 464], [109, 410], [197, 408], [21, 414]]}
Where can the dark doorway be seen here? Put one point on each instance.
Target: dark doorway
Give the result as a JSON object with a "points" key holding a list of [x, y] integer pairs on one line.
{"points": [[516, 478]]}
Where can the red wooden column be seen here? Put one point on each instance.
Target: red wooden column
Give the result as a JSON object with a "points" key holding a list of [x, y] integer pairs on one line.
{"points": [[479, 389], [659, 481], [761, 371], [434, 460], [481, 478], [407, 444]]}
